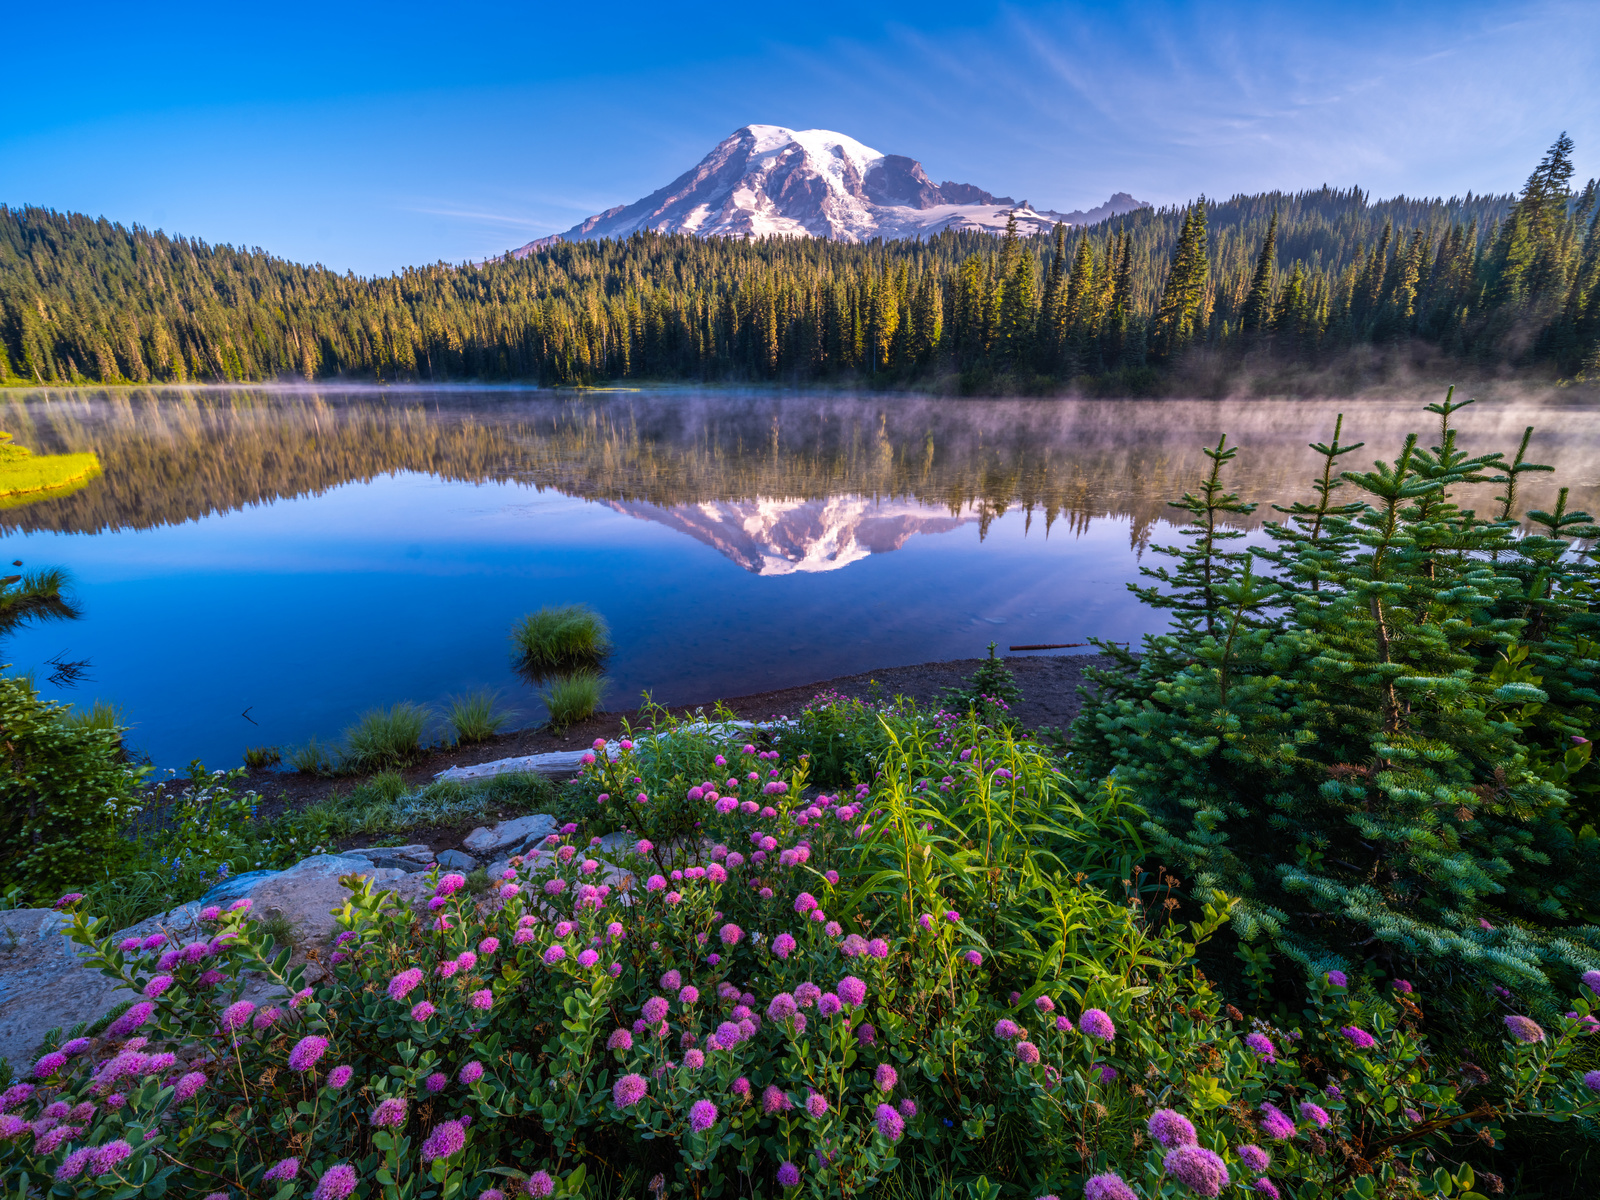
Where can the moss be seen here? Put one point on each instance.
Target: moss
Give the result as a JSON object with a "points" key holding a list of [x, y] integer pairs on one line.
{"points": [[26, 476]]}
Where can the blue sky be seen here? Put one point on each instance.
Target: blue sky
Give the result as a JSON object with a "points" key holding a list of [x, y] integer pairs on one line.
{"points": [[368, 137]]}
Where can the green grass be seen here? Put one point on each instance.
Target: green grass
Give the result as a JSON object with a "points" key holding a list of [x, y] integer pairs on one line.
{"points": [[472, 718], [386, 737], [130, 896], [572, 698], [278, 927], [384, 788], [382, 806], [561, 638], [313, 758], [257, 757], [99, 715]]}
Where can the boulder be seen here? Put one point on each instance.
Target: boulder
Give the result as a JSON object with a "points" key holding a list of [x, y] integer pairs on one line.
{"points": [[237, 888], [415, 857], [484, 842], [454, 860], [308, 892], [43, 983]]}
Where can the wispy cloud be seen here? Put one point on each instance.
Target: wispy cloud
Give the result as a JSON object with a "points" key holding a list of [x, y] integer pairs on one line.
{"points": [[1173, 99], [515, 220]]}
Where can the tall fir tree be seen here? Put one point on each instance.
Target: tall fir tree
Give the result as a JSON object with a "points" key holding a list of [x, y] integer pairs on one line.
{"points": [[1255, 315], [1184, 290]]}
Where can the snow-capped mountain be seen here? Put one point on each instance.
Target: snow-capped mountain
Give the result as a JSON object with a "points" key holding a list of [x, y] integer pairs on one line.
{"points": [[787, 537], [765, 180]]}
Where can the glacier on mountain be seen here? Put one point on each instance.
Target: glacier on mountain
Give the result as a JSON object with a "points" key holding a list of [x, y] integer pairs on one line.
{"points": [[769, 181]]}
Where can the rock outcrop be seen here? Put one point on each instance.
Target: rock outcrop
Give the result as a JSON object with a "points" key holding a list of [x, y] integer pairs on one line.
{"points": [[44, 982]]}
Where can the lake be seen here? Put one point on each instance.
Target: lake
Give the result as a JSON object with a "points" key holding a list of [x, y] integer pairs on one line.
{"points": [[259, 566]]}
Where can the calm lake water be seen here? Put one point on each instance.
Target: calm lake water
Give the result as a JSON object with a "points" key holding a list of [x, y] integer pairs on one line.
{"points": [[259, 566]]}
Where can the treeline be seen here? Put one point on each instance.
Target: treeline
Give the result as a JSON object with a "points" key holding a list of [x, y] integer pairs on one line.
{"points": [[1298, 278]]}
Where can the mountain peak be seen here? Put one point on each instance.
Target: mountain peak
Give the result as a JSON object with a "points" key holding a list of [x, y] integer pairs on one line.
{"points": [[772, 181]]}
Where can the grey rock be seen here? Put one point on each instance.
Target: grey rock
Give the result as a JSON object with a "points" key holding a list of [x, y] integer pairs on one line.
{"points": [[555, 762], [396, 863], [414, 857], [519, 832], [454, 860], [238, 887], [43, 983], [309, 893]]}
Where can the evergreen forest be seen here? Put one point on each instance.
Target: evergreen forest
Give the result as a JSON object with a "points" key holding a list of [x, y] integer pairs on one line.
{"points": [[1273, 281]]}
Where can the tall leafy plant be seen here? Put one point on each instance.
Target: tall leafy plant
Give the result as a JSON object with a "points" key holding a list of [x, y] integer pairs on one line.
{"points": [[1352, 737]]}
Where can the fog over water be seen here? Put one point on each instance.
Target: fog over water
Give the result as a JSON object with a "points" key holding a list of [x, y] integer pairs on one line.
{"points": [[259, 566]]}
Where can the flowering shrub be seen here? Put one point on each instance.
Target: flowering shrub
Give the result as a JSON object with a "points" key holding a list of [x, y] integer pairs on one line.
{"points": [[656, 786], [812, 992], [990, 691]]}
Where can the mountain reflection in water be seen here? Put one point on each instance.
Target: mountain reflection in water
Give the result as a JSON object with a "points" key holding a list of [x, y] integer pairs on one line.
{"points": [[779, 537], [314, 552]]}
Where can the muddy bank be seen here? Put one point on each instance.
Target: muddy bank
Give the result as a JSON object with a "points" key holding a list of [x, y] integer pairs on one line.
{"points": [[1049, 686]]}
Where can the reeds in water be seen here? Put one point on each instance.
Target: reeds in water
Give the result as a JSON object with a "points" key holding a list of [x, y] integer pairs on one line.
{"points": [[563, 637]]}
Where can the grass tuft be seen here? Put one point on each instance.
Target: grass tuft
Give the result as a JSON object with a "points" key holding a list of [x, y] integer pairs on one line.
{"points": [[101, 715], [472, 718], [572, 698], [312, 759], [384, 788], [256, 757], [278, 927], [561, 638], [386, 737]]}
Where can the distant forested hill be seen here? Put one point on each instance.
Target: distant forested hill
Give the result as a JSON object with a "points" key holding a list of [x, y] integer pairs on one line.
{"points": [[1497, 281]]}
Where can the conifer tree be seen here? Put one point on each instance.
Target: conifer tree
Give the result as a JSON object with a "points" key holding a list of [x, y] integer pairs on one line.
{"points": [[1018, 311], [1052, 333], [1289, 313], [1182, 294], [1527, 253], [1351, 744], [927, 319], [1080, 292], [1256, 314]]}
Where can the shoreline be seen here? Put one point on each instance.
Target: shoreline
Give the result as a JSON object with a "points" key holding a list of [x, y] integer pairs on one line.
{"points": [[1049, 684], [1489, 385]]}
